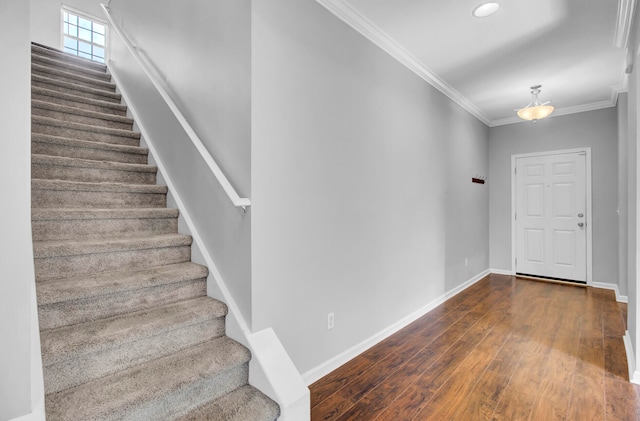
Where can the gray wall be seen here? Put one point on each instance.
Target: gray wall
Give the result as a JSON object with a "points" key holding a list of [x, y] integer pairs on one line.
{"points": [[632, 199], [361, 176], [16, 254], [202, 51], [623, 188], [595, 129]]}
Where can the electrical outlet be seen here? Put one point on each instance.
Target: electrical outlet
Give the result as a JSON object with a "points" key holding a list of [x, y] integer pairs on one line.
{"points": [[466, 261], [330, 321]]}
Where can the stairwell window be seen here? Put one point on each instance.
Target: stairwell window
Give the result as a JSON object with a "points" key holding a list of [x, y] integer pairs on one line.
{"points": [[83, 36]]}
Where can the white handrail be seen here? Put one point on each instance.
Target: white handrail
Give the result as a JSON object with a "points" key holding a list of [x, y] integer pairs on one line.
{"points": [[238, 201]]}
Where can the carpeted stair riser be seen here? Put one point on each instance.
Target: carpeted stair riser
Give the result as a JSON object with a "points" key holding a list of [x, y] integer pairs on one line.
{"points": [[80, 80], [37, 50], [76, 101], [244, 403], [71, 301], [77, 115], [158, 390], [74, 89], [81, 149], [64, 224], [60, 194], [71, 169], [44, 125], [52, 63], [76, 354], [65, 259]]}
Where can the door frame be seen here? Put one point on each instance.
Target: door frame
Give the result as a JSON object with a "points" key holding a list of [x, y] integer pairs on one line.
{"points": [[587, 151]]}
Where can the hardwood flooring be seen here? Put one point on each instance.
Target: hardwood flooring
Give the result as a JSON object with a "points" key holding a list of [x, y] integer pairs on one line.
{"points": [[504, 349]]}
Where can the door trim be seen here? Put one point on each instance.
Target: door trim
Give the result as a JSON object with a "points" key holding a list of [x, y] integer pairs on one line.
{"points": [[589, 208]]}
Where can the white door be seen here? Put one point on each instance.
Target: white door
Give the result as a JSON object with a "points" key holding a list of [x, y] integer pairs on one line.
{"points": [[551, 237]]}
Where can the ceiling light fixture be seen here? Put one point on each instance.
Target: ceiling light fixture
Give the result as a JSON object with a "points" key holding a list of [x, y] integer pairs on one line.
{"points": [[535, 110], [485, 9]]}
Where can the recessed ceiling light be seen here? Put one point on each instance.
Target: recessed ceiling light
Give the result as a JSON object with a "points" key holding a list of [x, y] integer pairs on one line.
{"points": [[485, 9]]}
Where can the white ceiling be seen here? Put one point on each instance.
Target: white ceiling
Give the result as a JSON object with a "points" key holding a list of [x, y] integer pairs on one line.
{"points": [[487, 65]]}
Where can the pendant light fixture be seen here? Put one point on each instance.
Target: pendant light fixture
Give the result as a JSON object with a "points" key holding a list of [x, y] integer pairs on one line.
{"points": [[535, 110]]}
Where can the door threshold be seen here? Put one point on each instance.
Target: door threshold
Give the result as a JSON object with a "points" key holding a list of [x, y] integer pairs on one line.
{"points": [[551, 280]]}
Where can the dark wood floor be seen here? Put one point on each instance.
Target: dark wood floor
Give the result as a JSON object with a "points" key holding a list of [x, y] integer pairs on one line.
{"points": [[504, 349]]}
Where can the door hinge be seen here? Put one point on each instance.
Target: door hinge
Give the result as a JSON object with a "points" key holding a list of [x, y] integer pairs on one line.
{"points": [[515, 170], [516, 216]]}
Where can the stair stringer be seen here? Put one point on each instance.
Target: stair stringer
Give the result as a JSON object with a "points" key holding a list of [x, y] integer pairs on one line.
{"points": [[271, 369]]}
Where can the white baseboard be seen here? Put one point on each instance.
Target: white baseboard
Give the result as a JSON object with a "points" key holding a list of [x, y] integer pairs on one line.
{"points": [[614, 287], [327, 367], [634, 376], [285, 385], [36, 415], [501, 271]]}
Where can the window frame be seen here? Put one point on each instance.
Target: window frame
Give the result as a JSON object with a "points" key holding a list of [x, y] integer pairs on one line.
{"points": [[81, 14]]}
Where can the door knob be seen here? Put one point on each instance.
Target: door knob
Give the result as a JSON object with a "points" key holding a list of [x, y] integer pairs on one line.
{"points": [[581, 224]]}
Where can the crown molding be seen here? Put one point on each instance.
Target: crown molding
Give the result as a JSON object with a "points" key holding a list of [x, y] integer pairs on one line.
{"points": [[348, 14], [559, 112], [373, 33], [623, 23]]}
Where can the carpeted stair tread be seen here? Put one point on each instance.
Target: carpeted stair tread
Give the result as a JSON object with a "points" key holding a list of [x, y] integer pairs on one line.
{"points": [[52, 62], [91, 350], [87, 149], [243, 404], [59, 259], [71, 301], [86, 170], [87, 163], [49, 224], [85, 127], [49, 95], [96, 187], [52, 126], [69, 342], [116, 282], [51, 106], [44, 50], [63, 86], [159, 389], [72, 77], [44, 249], [75, 194], [39, 214]]}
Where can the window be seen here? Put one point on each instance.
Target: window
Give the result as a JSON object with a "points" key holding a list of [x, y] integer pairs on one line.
{"points": [[83, 36]]}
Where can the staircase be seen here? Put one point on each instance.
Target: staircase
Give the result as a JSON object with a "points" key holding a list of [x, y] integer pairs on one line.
{"points": [[127, 330]]}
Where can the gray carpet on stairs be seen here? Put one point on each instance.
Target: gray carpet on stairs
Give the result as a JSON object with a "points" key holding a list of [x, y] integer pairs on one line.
{"points": [[127, 330]]}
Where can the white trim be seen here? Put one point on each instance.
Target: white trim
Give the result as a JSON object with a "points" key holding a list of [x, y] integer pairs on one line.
{"points": [[501, 271], [634, 376], [36, 415], [623, 23], [237, 201], [328, 366], [213, 270], [348, 14], [285, 384], [569, 110], [82, 13], [589, 207], [352, 17], [614, 288]]}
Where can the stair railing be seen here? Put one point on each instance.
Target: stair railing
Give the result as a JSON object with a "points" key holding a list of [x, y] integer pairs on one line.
{"points": [[237, 201]]}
